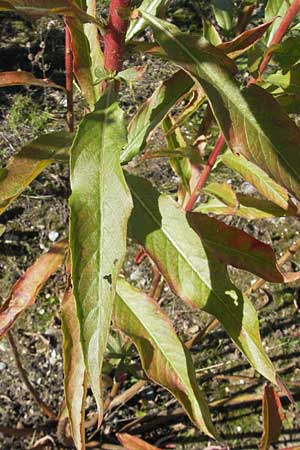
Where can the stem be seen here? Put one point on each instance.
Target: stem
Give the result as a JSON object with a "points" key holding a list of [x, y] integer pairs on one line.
{"points": [[69, 78], [282, 29], [25, 379], [115, 37], [205, 173]]}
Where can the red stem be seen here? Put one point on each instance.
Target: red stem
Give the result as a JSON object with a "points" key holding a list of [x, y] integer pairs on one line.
{"points": [[205, 173], [283, 28], [69, 78], [115, 36], [281, 31]]}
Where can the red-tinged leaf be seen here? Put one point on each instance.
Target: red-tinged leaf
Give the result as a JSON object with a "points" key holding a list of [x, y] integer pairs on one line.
{"points": [[272, 417], [37, 8], [134, 443], [75, 380], [238, 249], [245, 40], [161, 227], [266, 136], [26, 289], [26, 165], [258, 178], [153, 111], [19, 78], [164, 358]]}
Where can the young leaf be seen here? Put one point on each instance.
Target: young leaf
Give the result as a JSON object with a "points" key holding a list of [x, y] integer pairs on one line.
{"points": [[100, 206], [26, 165], [272, 417], [26, 289], [223, 11], [250, 208], [266, 136], [161, 227], [153, 111], [258, 178], [74, 371], [223, 192], [238, 249], [19, 78], [165, 359], [151, 6], [134, 443]]}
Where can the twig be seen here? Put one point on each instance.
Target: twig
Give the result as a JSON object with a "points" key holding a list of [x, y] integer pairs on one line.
{"points": [[25, 379], [69, 77]]}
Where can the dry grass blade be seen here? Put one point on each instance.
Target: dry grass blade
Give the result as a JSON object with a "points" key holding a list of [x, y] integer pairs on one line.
{"points": [[134, 443]]}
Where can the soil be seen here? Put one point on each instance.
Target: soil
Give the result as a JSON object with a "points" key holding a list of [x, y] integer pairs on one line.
{"points": [[40, 216]]}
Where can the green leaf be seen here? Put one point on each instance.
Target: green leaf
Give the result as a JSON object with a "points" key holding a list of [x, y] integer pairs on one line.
{"points": [[223, 192], [19, 78], [238, 249], [100, 206], [287, 80], [265, 134], [277, 9], [26, 165], [75, 382], [258, 178], [250, 208], [223, 11], [210, 33], [154, 7], [165, 359], [287, 54], [26, 289], [161, 227], [153, 111]]}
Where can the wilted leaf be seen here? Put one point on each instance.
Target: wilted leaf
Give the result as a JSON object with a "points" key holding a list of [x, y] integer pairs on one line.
{"points": [[258, 178], [238, 249], [134, 443], [153, 111], [26, 165], [74, 369], [272, 417], [161, 227], [100, 206], [19, 78], [164, 358], [26, 289], [265, 135]]}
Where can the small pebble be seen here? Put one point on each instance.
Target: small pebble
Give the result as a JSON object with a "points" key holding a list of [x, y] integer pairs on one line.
{"points": [[53, 235], [2, 366]]}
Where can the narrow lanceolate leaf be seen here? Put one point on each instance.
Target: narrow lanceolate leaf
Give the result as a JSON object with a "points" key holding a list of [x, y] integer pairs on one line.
{"points": [[100, 206], [154, 7], [161, 226], [19, 78], [272, 417], [74, 369], [223, 11], [153, 111], [38, 8], [134, 443], [223, 192], [26, 165], [250, 208], [238, 249], [258, 178], [26, 289], [275, 9], [266, 136], [164, 358]]}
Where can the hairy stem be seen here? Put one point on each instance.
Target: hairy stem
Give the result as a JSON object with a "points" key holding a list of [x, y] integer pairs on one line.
{"points": [[115, 36], [69, 78], [280, 33]]}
